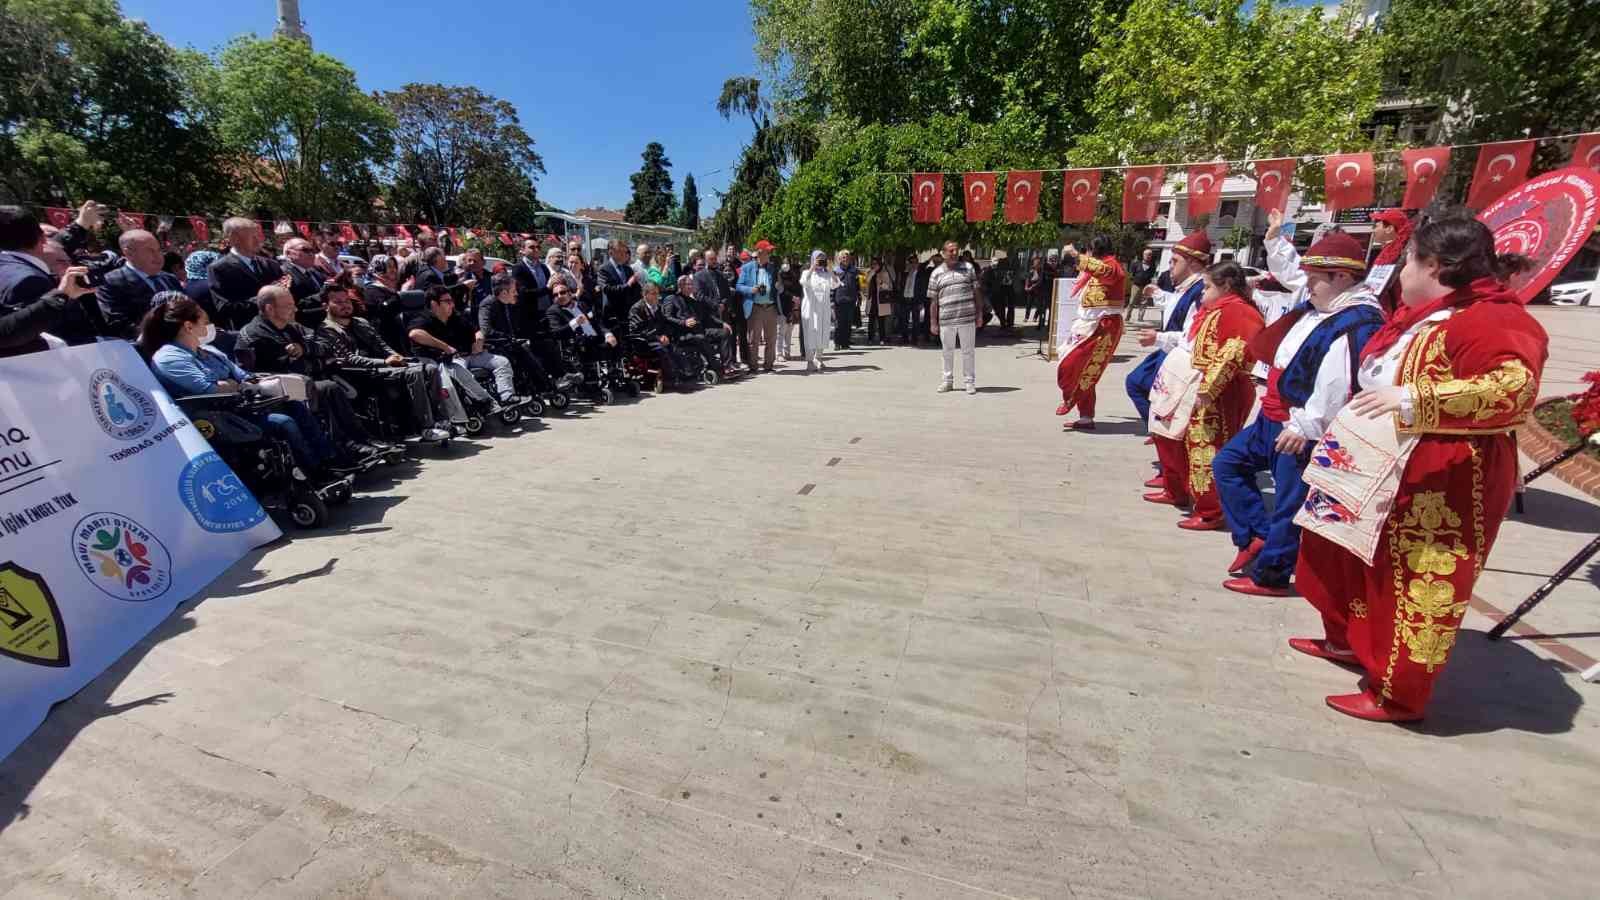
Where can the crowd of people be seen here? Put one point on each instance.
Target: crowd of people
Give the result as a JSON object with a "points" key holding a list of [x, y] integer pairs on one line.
{"points": [[1380, 398]]}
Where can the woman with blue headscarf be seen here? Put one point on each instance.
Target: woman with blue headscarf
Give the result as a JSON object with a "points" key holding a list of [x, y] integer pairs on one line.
{"points": [[817, 285]]}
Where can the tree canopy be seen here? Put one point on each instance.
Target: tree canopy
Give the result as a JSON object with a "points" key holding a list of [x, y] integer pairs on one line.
{"points": [[689, 209], [652, 188]]}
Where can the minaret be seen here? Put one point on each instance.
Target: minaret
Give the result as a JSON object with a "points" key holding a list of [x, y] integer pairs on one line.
{"points": [[289, 21]]}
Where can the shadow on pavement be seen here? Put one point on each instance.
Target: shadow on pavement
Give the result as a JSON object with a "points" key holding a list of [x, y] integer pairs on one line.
{"points": [[1499, 685], [1548, 509]]}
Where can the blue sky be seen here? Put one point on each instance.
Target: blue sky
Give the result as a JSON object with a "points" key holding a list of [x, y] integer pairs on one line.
{"points": [[594, 81]]}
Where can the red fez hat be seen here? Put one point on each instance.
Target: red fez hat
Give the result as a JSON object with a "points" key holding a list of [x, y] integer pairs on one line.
{"points": [[1195, 245], [1337, 252], [763, 245], [1394, 218]]}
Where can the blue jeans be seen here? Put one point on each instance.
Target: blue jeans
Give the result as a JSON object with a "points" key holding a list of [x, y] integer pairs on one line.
{"points": [[1140, 379], [299, 429], [1251, 451]]}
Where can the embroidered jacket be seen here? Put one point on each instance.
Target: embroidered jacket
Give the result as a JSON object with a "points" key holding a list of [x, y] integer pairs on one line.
{"points": [[1221, 334]]}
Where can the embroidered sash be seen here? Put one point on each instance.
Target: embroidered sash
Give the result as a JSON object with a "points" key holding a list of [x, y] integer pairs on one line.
{"points": [[1354, 475], [1173, 393]]}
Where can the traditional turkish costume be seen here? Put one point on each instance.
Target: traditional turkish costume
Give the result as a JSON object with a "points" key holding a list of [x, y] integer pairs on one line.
{"points": [[1180, 306], [1385, 277], [1096, 330], [1313, 355], [1218, 343], [1405, 516]]}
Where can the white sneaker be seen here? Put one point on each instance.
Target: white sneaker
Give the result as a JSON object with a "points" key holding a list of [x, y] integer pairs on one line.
{"points": [[972, 389], [945, 387], [435, 434]]}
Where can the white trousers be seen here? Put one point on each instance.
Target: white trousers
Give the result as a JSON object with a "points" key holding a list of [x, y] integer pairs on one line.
{"points": [[967, 335], [785, 338]]}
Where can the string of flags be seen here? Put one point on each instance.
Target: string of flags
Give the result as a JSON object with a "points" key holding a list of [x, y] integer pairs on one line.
{"points": [[1350, 180], [349, 232]]}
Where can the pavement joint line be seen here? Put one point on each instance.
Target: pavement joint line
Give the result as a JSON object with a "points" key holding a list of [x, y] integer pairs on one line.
{"points": [[1566, 653], [834, 461], [808, 488], [855, 440]]}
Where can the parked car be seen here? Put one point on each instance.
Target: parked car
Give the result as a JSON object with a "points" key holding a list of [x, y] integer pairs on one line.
{"points": [[1572, 293]]}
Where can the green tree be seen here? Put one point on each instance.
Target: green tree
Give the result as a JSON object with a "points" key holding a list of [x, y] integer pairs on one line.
{"points": [[689, 209], [652, 188], [760, 170], [306, 138], [94, 105], [1499, 69], [460, 151]]}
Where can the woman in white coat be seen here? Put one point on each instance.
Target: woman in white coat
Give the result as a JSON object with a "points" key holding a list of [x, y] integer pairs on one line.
{"points": [[817, 285]]}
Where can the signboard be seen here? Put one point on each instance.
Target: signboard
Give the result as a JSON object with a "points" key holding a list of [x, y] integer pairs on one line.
{"points": [[113, 510], [1548, 219]]}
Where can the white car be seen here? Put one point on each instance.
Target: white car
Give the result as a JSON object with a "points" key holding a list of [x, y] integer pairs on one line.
{"points": [[1572, 293]]}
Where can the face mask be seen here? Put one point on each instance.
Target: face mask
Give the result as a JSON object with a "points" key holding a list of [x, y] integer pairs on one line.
{"points": [[210, 335]]}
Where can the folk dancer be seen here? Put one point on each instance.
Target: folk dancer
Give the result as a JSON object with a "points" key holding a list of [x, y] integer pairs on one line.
{"points": [[1455, 370], [1096, 331], [1313, 351], [1190, 257], [1218, 342], [1392, 231]]}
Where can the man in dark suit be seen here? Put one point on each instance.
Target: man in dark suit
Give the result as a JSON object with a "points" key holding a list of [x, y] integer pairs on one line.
{"points": [[31, 266], [127, 292], [240, 273], [713, 291], [305, 281], [619, 288], [432, 271]]}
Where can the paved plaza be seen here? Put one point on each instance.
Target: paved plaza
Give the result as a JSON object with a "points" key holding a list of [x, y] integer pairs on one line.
{"points": [[806, 637]]}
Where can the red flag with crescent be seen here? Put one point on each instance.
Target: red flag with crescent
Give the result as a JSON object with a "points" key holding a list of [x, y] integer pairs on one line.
{"points": [[347, 232], [57, 216], [1141, 192], [505, 238], [1274, 178], [424, 230], [402, 232], [304, 228], [201, 228], [1080, 194], [978, 190], [128, 221], [1022, 197], [1500, 168], [1205, 187], [927, 197], [1586, 152], [1424, 170], [1350, 180]]}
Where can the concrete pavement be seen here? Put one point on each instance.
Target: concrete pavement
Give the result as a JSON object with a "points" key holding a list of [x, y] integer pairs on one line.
{"points": [[799, 637]]}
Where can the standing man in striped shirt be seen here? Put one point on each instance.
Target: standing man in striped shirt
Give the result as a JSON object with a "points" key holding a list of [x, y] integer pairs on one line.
{"points": [[953, 316]]}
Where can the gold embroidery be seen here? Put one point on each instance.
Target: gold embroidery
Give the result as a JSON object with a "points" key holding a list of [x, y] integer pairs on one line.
{"points": [[1094, 294], [1358, 608], [1507, 391], [1477, 510], [1428, 611], [1205, 430], [1105, 346]]}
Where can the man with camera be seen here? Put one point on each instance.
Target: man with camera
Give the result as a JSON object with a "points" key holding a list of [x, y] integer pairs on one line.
{"points": [[32, 267]]}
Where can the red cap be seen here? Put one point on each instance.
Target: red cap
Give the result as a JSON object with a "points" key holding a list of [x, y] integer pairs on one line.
{"points": [[1195, 245], [1337, 252], [744, 255], [763, 245], [1394, 218]]}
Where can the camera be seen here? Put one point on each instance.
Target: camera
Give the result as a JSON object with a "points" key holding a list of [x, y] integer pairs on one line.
{"points": [[99, 265]]}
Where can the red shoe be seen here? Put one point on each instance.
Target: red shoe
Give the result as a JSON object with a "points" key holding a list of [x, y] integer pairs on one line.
{"points": [[1150, 441], [1163, 497], [1320, 648], [1063, 409], [1080, 425], [1196, 523], [1362, 706], [1246, 585], [1245, 556], [1160, 481]]}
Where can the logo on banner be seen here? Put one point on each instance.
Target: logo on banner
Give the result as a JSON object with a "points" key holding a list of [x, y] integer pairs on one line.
{"points": [[123, 411], [219, 501], [30, 623], [121, 557]]}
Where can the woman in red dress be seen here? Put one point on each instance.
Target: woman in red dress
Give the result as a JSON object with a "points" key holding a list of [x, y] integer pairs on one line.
{"points": [[1102, 292], [1459, 367], [1220, 336]]}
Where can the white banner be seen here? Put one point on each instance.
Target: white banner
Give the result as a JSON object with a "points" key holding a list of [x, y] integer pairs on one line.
{"points": [[1066, 312], [113, 510]]}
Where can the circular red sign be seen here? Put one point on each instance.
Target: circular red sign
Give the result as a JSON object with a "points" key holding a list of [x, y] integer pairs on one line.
{"points": [[1547, 219]]}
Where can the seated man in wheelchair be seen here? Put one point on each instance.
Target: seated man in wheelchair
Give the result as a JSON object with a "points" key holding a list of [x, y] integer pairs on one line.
{"points": [[175, 338], [376, 370], [501, 323], [649, 336], [452, 342], [582, 338], [698, 330]]}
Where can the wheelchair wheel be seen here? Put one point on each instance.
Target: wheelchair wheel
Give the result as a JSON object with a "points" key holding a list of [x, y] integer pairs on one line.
{"points": [[307, 510], [534, 407], [605, 397], [710, 376], [474, 425], [560, 400], [511, 415], [340, 494], [633, 388]]}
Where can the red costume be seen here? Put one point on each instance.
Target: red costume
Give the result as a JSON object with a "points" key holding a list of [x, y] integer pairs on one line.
{"points": [[1392, 254], [1472, 378], [1221, 334], [1102, 286]]}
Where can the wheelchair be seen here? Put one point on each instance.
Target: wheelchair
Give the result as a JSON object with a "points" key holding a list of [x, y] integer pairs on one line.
{"points": [[383, 409], [264, 463], [479, 412], [704, 354], [598, 377], [558, 399]]}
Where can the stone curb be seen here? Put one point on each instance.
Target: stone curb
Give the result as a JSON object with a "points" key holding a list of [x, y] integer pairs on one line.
{"points": [[1581, 471]]}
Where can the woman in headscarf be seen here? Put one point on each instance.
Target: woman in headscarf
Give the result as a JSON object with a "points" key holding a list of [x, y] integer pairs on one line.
{"points": [[1455, 371], [816, 308]]}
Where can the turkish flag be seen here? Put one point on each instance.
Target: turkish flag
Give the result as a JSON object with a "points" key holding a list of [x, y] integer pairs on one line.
{"points": [[1350, 180], [304, 228], [202, 231], [57, 216], [1080, 194], [1424, 170], [402, 232], [347, 232], [1205, 187], [927, 197], [978, 188], [1274, 178], [128, 221], [1586, 152], [450, 230], [424, 230], [505, 238], [1141, 192], [1500, 168], [1022, 197]]}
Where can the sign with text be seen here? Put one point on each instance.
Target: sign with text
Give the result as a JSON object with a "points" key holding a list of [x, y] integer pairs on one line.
{"points": [[113, 510]]}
